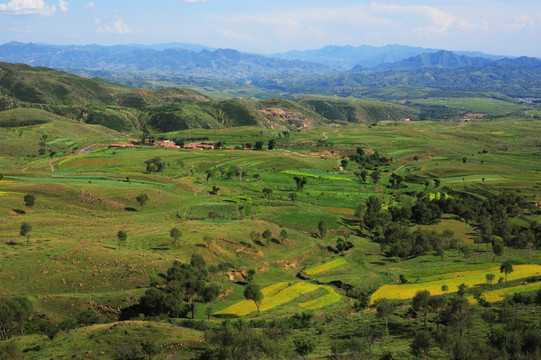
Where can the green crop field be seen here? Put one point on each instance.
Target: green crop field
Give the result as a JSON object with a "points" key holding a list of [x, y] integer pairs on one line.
{"points": [[321, 260]]}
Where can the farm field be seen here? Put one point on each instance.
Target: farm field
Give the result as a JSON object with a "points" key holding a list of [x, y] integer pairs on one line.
{"points": [[310, 247]]}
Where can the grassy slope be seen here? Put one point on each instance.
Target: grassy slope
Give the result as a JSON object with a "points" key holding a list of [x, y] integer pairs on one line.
{"points": [[72, 262]]}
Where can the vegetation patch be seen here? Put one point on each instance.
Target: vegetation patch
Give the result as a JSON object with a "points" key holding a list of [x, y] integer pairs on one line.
{"points": [[281, 293], [452, 281], [327, 266]]}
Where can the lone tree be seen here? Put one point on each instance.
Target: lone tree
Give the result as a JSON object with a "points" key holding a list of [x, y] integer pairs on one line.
{"points": [[322, 228], [121, 237], [506, 267], [272, 144], [29, 200], [25, 231], [142, 200], [175, 235], [253, 292], [490, 278], [300, 182]]}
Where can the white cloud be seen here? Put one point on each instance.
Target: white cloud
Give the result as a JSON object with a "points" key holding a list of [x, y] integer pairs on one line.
{"points": [[194, 1], [90, 5], [28, 7], [117, 27], [63, 5]]}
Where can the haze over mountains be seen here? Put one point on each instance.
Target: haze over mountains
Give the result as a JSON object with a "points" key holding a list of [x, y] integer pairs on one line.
{"points": [[332, 70]]}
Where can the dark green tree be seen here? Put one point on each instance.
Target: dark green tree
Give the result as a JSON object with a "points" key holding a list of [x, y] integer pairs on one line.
{"points": [[304, 346], [375, 175], [253, 292], [142, 200], [121, 237], [420, 302], [384, 310], [154, 165], [421, 344], [507, 268], [300, 181], [150, 348], [490, 278], [29, 200], [272, 144], [175, 236], [25, 231], [322, 229]]}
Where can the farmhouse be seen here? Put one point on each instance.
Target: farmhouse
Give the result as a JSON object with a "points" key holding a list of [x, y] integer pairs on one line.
{"points": [[166, 144]]}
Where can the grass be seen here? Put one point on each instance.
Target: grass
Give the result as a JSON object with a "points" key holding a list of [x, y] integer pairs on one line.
{"points": [[434, 283], [327, 266]]}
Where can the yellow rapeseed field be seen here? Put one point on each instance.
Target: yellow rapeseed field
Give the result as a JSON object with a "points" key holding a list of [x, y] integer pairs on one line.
{"points": [[327, 266], [452, 280], [500, 294], [281, 293]]}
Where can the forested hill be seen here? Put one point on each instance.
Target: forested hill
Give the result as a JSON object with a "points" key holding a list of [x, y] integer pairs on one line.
{"points": [[121, 108]]}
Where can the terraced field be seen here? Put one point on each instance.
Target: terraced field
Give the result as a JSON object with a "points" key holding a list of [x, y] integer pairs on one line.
{"points": [[281, 293], [452, 280]]}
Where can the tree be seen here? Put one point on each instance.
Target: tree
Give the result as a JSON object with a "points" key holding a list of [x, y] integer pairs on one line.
{"points": [[420, 302], [210, 173], [150, 348], [497, 246], [304, 346], [268, 192], [175, 235], [421, 344], [293, 196], [267, 234], [464, 160], [364, 174], [490, 279], [322, 229], [154, 165], [121, 237], [462, 290], [253, 292], [300, 182], [25, 231], [506, 267], [272, 144], [344, 163], [437, 303], [283, 235], [29, 200], [384, 310], [375, 176], [142, 200], [258, 145], [444, 288], [207, 239]]}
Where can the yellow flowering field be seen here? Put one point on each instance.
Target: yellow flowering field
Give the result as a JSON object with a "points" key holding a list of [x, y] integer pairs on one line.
{"points": [[281, 293], [452, 280]]}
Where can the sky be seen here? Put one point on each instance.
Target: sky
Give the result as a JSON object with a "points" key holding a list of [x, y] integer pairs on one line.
{"points": [[501, 27]]}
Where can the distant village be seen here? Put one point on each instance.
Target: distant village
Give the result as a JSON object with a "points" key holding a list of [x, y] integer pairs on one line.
{"points": [[169, 144]]}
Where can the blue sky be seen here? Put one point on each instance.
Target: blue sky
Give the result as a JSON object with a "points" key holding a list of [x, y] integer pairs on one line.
{"points": [[493, 26]]}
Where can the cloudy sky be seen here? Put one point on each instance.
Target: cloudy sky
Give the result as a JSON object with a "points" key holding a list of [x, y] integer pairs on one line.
{"points": [[508, 27]]}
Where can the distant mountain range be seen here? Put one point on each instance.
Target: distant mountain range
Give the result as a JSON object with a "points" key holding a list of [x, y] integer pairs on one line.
{"points": [[159, 58], [366, 56], [332, 70]]}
